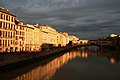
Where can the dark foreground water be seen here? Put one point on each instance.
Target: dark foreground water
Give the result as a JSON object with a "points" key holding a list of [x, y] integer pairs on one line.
{"points": [[77, 64]]}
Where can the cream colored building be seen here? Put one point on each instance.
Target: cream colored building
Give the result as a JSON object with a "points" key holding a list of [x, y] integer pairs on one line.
{"points": [[71, 38], [29, 37], [32, 37], [49, 35], [62, 39], [113, 35], [7, 31], [67, 37], [59, 39], [20, 37], [74, 39], [37, 38]]}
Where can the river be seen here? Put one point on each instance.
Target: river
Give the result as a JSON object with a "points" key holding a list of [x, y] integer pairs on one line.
{"points": [[79, 64]]}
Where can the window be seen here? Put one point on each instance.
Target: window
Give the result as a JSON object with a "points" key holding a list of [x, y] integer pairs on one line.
{"points": [[14, 27], [5, 42], [6, 34], [1, 16], [6, 26], [11, 34], [14, 34], [0, 24], [11, 27], [0, 42], [11, 41], [12, 19], [17, 32], [4, 17], [3, 34], [0, 33], [8, 42], [7, 17], [3, 25], [20, 32]]}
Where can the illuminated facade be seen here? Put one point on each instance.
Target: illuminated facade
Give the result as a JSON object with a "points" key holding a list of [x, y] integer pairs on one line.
{"points": [[7, 31], [29, 37], [37, 38], [74, 39], [62, 39], [113, 35], [66, 38], [19, 37], [32, 37], [59, 39], [49, 35]]}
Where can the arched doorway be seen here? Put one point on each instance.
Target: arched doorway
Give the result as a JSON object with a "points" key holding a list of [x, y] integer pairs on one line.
{"points": [[11, 49], [6, 50], [22, 48], [16, 49]]}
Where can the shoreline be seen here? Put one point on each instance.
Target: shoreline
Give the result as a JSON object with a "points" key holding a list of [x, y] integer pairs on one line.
{"points": [[27, 58]]}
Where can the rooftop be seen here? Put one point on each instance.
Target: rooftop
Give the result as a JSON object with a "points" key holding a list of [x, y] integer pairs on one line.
{"points": [[6, 11]]}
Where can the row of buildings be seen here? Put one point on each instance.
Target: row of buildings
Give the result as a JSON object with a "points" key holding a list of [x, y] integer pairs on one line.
{"points": [[16, 36]]}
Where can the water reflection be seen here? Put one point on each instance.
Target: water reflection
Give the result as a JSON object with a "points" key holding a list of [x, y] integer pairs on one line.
{"points": [[47, 71], [112, 56]]}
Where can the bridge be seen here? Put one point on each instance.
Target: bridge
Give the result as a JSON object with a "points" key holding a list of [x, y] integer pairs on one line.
{"points": [[101, 44]]}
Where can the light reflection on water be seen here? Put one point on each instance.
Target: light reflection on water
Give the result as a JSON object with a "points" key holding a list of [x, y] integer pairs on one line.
{"points": [[48, 70]]}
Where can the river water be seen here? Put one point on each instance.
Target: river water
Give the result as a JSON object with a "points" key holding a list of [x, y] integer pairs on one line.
{"points": [[79, 64]]}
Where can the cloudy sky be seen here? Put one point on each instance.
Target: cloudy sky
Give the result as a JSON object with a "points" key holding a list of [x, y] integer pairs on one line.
{"points": [[87, 19]]}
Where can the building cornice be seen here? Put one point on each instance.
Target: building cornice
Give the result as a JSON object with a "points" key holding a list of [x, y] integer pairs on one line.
{"points": [[6, 12]]}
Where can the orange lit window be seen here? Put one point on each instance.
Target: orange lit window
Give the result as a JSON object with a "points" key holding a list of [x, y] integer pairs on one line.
{"points": [[0, 24], [1, 16], [0, 33], [0, 42]]}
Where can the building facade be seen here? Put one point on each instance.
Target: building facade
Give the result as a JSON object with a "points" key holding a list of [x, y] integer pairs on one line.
{"points": [[7, 31], [29, 37], [74, 40], [37, 38], [19, 37], [32, 37], [63, 39], [49, 35]]}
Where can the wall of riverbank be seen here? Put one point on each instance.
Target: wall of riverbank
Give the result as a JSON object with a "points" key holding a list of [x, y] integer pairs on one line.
{"points": [[10, 60]]}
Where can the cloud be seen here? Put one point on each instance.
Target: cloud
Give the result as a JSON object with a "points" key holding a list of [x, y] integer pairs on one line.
{"points": [[87, 19]]}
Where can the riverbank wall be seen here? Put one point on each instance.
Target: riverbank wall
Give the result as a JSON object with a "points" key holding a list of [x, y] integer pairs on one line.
{"points": [[12, 60]]}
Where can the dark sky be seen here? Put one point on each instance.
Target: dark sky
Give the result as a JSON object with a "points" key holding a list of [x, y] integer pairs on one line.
{"points": [[87, 19]]}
